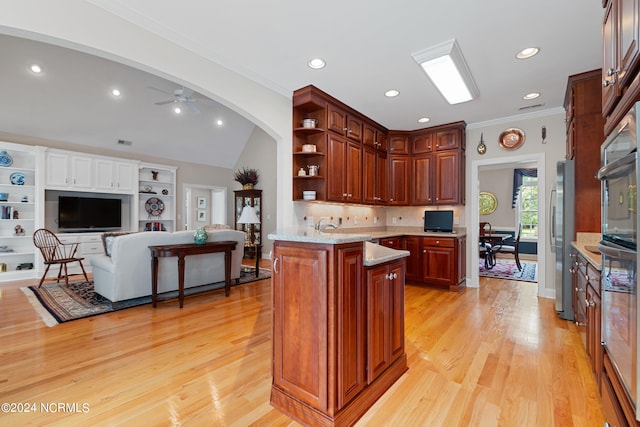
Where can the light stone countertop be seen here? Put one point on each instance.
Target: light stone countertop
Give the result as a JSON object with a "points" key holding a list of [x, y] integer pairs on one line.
{"points": [[373, 254], [349, 235], [586, 241]]}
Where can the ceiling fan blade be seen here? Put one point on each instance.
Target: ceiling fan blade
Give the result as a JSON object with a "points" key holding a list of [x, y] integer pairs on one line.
{"points": [[165, 102], [160, 90], [192, 108]]}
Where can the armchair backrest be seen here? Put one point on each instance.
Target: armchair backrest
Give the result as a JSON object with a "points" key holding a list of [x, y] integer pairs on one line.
{"points": [[48, 243]]}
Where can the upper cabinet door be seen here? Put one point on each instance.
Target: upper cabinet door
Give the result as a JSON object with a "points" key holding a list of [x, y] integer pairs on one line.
{"points": [[81, 171], [336, 119], [627, 38], [57, 170]]}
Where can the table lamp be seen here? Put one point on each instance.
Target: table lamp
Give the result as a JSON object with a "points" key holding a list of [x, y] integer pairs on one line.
{"points": [[249, 216]]}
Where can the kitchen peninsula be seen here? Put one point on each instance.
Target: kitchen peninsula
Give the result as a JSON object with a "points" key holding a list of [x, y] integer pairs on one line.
{"points": [[338, 324]]}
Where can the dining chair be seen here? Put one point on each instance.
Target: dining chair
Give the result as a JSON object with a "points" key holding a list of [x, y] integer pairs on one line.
{"points": [[510, 246], [485, 228], [55, 252], [486, 252]]}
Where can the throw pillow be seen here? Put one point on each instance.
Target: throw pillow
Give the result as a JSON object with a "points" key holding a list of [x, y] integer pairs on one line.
{"points": [[108, 238]]}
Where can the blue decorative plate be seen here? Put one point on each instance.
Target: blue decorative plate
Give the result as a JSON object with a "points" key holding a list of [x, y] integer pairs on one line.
{"points": [[17, 178], [5, 158]]}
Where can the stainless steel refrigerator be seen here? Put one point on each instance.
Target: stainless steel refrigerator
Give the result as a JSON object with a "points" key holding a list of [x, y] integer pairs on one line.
{"points": [[562, 230]]}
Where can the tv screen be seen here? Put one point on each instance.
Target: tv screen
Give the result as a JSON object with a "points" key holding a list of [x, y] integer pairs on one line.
{"points": [[89, 213], [438, 221]]}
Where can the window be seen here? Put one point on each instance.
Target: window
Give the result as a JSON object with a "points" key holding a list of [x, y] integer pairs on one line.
{"points": [[527, 206]]}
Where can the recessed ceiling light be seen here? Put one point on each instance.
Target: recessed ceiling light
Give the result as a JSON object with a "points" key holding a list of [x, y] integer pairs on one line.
{"points": [[177, 109], [316, 63], [219, 122], [35, 68], [423, 119], [532, 95], [391, 93], [527, 52], [115, 92]]}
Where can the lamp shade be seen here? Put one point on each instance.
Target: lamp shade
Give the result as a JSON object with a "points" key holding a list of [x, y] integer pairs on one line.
{"points": [[248, 216]]}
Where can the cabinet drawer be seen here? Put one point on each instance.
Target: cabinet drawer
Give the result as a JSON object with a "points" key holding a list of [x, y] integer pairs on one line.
{"points": [[445, 242], [91, 248]]}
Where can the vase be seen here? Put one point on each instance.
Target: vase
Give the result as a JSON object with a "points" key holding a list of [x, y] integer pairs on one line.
{"points": [[200, 236], [248, 186]]}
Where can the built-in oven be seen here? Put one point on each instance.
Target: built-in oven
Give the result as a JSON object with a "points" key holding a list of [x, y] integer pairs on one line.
{"points": [[619, 177]]}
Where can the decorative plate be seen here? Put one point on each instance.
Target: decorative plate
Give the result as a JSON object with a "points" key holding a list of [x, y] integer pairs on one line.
{"points": [[5, 159], [511, 139], [17, 178], [154, 206], [488, 203]]}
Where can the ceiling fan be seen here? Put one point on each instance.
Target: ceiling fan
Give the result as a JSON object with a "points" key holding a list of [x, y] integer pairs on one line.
{"points": [[182, 97]]}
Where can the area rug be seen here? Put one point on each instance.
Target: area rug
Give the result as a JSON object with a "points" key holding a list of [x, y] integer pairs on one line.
{"points": [[509, 270], [58, 303]]}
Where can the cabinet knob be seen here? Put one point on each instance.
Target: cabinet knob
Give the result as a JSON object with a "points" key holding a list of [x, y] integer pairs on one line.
{"points": [[344, 194], [437, 242], [395, 275], [387, 276], [345, 128], [424, 251], [606, 83]]}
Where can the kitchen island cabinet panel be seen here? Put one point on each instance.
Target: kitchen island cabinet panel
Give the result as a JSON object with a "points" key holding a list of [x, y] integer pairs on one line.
{"points": [[321, 307], [299, 324]]}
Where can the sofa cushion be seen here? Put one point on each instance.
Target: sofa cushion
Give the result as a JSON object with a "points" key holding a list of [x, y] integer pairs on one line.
{"points": [[108, 238]]}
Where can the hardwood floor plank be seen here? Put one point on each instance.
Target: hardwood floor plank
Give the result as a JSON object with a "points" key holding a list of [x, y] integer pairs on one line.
{"points": [[494, 356]]}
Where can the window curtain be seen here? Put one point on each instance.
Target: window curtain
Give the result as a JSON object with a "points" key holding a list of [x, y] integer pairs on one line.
{"points": [[517, 182]]}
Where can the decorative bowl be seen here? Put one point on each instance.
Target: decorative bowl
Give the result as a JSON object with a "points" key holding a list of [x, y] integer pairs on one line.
{"points": [[4, 197], [309, 195], [309, 123]]}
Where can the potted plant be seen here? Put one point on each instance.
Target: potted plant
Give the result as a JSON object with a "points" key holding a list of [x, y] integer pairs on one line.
{"points": [[248, 177]]}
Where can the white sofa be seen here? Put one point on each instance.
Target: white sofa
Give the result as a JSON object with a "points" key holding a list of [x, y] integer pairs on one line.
{"points": [[126, 274]]}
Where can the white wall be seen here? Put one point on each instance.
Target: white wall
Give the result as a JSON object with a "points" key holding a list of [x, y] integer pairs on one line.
{"points": [[547, 155], [73, 23]]}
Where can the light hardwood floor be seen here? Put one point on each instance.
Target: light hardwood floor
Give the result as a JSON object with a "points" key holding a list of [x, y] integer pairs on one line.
{"points": [[494, 356]]}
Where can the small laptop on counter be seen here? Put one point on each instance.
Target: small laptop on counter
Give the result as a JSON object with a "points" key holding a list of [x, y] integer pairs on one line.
{"points": [[438, 221]]}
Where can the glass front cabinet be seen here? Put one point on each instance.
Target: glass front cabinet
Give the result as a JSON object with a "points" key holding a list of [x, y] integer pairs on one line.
{"points": [[242, 199]]}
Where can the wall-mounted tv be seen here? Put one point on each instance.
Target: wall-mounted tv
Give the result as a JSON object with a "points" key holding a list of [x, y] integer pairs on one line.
{"points": [[438, 221], [89, 213]]}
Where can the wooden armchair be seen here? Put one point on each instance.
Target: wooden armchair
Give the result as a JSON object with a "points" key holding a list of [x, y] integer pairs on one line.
{"points": [[55, 252]]}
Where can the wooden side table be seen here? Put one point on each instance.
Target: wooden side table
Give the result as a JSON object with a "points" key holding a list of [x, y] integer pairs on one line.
{"points": [[183, 250]]}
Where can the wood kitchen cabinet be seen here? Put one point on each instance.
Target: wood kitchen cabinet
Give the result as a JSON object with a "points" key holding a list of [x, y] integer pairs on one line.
{"points": [[385, 317], [438, 178], [620, 50], [398, 185], [438, 166], [321, 333], [399, 142], [584, 137], [343, 123], [344, 176], [374, 176], [413, 244], [620, 79], [443, 262], [362, 162]]}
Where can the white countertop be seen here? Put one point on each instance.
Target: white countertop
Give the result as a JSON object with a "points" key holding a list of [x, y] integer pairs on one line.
{"points": [[377, 254], [309, 235], [373, 254]]}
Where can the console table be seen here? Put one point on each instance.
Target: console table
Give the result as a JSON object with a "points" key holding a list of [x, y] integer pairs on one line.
{"points": [[183, 250]]}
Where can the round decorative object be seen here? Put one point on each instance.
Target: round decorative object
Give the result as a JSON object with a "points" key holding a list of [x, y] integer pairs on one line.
{"points": [[488, 203], [200, 236], [147, 188], [511, 139], [17, 178], [5, 158], [165, 191], [154, 206]]}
